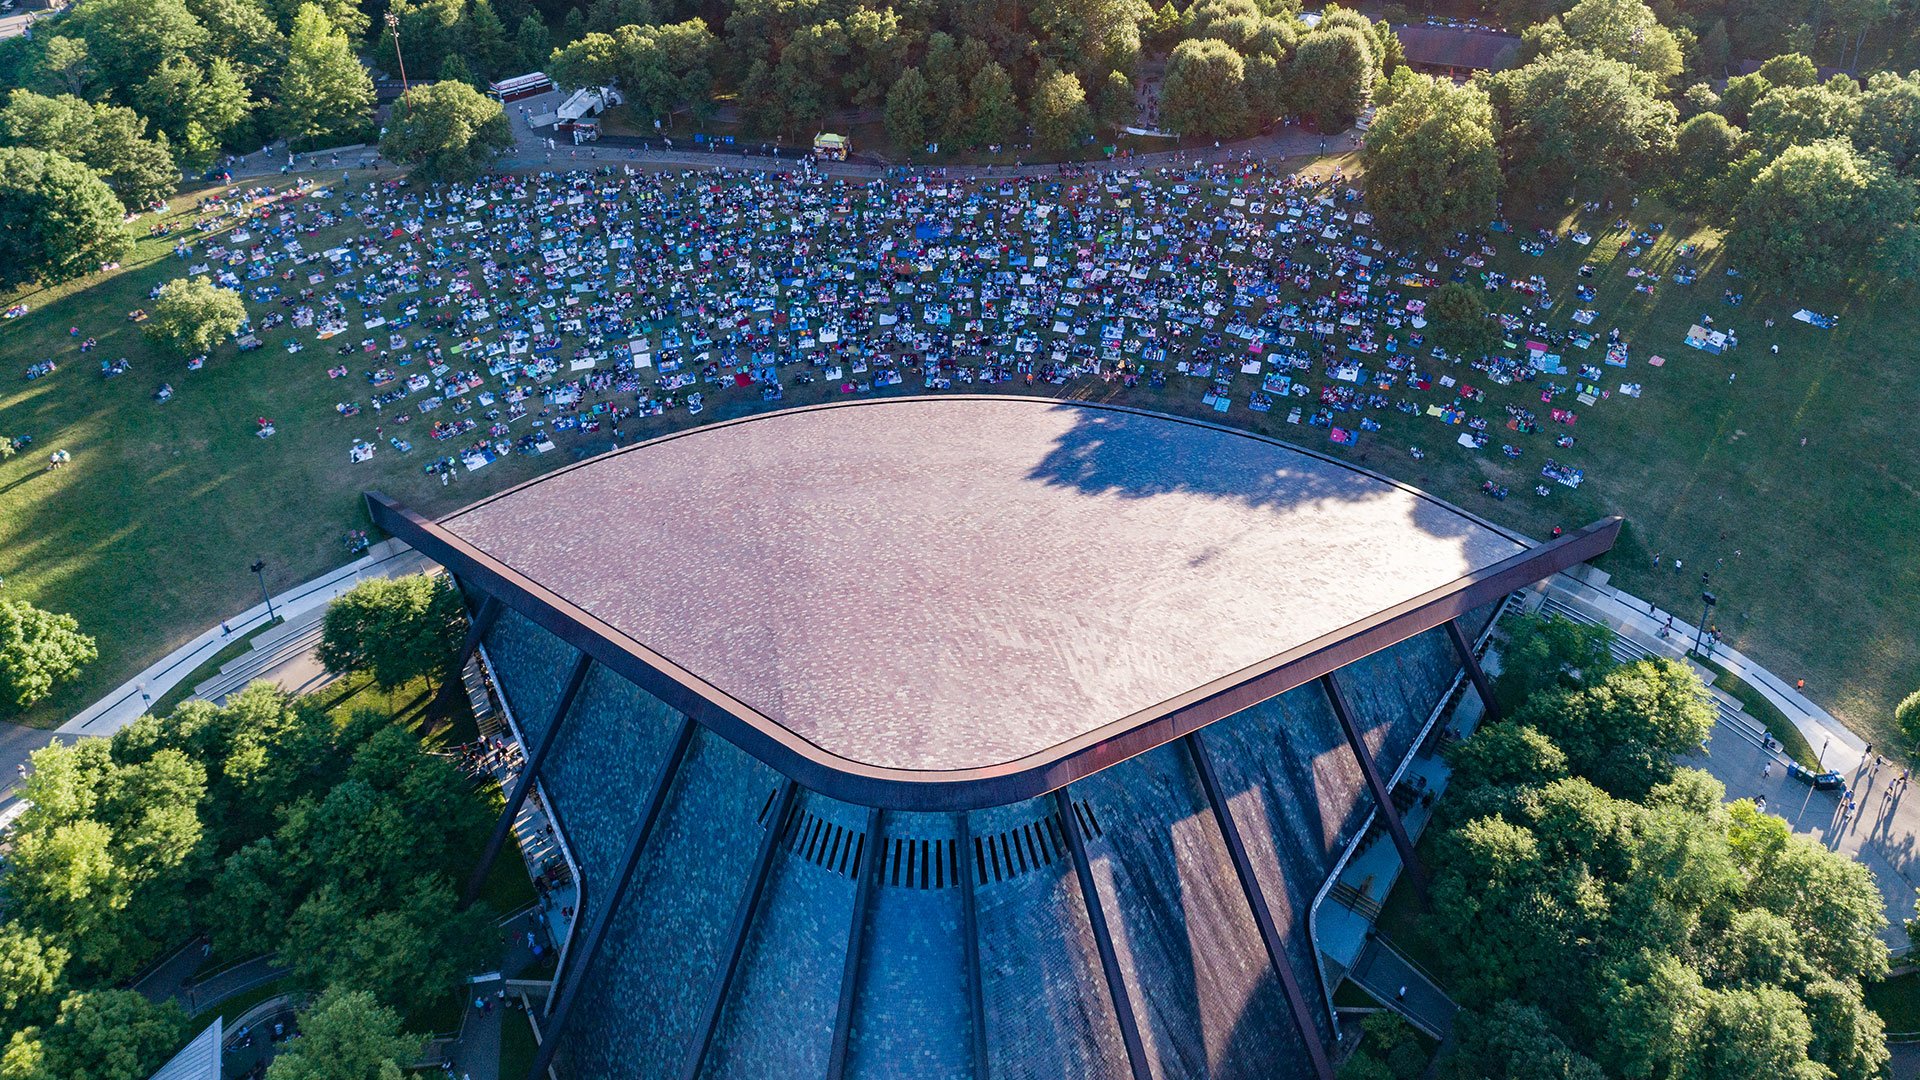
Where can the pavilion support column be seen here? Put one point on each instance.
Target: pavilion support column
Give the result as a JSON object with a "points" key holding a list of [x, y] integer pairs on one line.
{"points": [[856, 944], [1262, 914], [560, 1007], [737, 940], [1382, 797], [1103, 941], [969, 926], [1472, 663], [534, 757]]}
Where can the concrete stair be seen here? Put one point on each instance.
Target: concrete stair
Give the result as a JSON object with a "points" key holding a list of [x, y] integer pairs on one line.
{"points": [[271, 649]]}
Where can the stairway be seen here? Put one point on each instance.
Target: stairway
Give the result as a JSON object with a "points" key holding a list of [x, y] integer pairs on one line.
{"points": [[270, 649]]}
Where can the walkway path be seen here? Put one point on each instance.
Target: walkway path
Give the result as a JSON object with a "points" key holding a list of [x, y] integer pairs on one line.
{"points": [[1399, 986], [127, 702], [1881, 834]]}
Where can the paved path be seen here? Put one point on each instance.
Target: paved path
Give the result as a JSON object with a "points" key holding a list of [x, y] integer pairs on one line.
{"points": [[127, 702], [1881, 834], [1906, 1060], [1384, 973]]}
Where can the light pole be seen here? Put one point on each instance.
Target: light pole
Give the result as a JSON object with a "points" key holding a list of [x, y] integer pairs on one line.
{"points": [[1707, 600], [259, 569], [1821, 762], [393, 28]]}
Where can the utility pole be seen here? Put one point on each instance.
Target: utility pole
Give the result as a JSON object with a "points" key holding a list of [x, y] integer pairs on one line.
{"points": [[259, 569], [393, 28]]}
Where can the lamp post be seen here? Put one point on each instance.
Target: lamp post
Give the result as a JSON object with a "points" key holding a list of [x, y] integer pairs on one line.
{"points": [[1821, 762], [1707, 600], [393, 28], [259, 569]]}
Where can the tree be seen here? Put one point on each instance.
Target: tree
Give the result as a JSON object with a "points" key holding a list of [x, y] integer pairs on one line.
{"points": [[191, 316], [66, 65], [347, 1035], [1114, 108], [590, 61], [1890, 119], [1822, 216], [38, 649], [1511, 1041], [1797, 116], [1460, 322], [1204, 92], [32, 972], [1389, 1050], [60, 219], [1505, 754], [396, 629], [1906, 716], [1333, 73], [1789, 69], [324, 91], [486, 39], [448, 130], [1576, 122], [1848, 1037], [195, 109], [532, 41], [1624, 730], [1059, 110], [99, 1035], [390, 951], [661, 66], [1716, 49], [909, 112], [996, 115], [1432, 167], [1628, 31], [1548, 652], [1091, 35], [109, 139], [1704, 150], [128, 40]]}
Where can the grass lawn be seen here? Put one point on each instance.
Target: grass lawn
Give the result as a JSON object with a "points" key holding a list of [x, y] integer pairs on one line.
{"points": [[517, 1045], [1760, 708], [236, 1006], [1897, 1000], [1793, 485]]}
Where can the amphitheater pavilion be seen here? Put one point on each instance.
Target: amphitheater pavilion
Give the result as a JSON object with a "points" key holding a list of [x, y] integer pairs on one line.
{"points": [[972, 736]]}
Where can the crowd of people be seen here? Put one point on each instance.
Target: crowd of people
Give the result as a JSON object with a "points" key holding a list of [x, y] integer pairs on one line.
{"points": [[495, 316]]}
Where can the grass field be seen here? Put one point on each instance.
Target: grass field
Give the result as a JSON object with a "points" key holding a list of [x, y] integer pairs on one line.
{"points": [[1794, 485]]}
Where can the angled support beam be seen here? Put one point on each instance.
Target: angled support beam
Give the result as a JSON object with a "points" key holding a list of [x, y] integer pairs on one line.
{"points": [[969, 927], [742, 925], [1472, 663], [856, 945], [536, 756], [1382, 797], [560, 1007], [1262, 914], [1103, 940], [477, 626]]}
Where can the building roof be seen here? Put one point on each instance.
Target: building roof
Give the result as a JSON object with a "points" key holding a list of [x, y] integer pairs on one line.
{"points": [[198, 1060], [958, 583], [1457, 47]]}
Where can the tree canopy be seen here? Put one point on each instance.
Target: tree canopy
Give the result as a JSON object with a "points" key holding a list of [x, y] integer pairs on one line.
{"points": [[347, 1035], [1576, 123], [448, 130], [1432, 167], [38, 649], [396, 629], [1824, 216], [1204, 92], [324, 91], [192, 315]]}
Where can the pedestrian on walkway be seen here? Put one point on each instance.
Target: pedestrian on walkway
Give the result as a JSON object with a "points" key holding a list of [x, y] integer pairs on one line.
{"points": [[1766, 771], [1403, 993]]}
